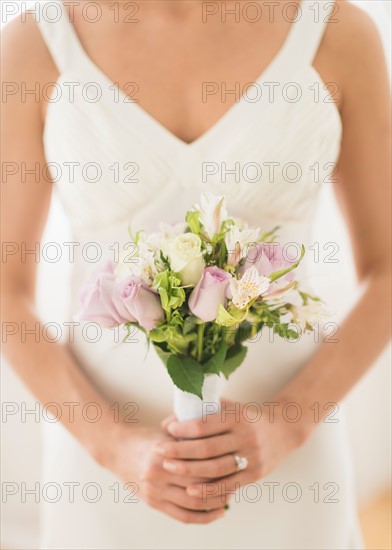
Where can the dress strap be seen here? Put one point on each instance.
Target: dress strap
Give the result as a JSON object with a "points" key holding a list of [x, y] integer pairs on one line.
{"points": [[307, 31], [60, 36]]}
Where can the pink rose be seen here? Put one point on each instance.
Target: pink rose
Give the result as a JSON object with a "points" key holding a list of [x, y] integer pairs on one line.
{"points": [[97, 298], [267, 258], [209, 292], [136, 301]]}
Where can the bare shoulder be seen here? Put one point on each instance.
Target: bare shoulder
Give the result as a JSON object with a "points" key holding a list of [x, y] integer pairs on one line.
{"points": [[353, 38], [24, 54], [352, 53]]}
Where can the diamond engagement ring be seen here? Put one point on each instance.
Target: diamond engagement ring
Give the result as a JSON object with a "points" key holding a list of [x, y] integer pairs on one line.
{"points": [[241, 462]]}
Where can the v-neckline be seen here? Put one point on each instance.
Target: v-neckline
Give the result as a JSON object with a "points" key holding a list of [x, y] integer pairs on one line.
{"points": [[158, 130]]}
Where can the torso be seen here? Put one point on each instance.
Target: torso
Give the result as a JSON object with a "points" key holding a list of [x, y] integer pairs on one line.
{"points": [[165, 59], [169, 57]]}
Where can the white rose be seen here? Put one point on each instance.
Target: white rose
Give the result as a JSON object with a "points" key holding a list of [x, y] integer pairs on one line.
{"points": [[186, 258], [167, 232]]}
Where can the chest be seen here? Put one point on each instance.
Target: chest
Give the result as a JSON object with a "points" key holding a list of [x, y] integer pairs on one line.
{"points": [[186, 74]]}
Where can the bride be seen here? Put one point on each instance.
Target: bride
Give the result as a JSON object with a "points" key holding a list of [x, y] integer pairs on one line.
{"points": [[134, 109]]}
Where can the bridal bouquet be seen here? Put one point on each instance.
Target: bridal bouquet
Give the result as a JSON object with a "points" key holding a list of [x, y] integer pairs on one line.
{"points": [[199, 290]]}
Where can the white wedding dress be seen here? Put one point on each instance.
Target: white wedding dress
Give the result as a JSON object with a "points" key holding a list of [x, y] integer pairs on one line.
{"points": [[312, 502]]}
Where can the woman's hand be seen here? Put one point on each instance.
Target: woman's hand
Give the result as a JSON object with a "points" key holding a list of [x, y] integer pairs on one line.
{"points": [[210, 444], [134, 459]]}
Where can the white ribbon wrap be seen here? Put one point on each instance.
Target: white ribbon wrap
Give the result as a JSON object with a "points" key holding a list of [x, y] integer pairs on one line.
{"points": [[190, 407]]}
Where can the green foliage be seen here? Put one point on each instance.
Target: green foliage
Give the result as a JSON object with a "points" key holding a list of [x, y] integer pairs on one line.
{"points": [[234, 358], [172, 294], [176, 341], [306, 297], [215, 363], [164, 259], [269, 236], [187, 374], [193, 220], [231, 316], [263, 314], [189, 324], [277, 274], [135, 237], [286, 331]]}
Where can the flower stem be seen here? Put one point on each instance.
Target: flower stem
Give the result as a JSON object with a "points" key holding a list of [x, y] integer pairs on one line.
{"points": [[200, 334], [168, 315]]}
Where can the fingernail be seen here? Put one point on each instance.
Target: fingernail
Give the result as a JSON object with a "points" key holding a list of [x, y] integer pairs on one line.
{"points": [[170, 466], [192, 492], [171, 428], [165, 423]]}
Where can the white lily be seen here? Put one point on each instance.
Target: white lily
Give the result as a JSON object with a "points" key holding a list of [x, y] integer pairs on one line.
{"points": [[250, 286], [213, 212]]}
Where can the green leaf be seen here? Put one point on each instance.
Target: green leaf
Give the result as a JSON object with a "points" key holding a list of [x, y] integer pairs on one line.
{"points": [[158, 334], [270, 235], [306, 297], [284, 331], [164, 260], [234, 358], [164, 298], [215, 363], [193, 220], [231, 316], [246, 331], [187, 374], [277, 274], [189, 324], [178, 342], [135, 238]]}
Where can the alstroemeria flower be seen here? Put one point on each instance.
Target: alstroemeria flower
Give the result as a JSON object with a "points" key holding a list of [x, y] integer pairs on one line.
{"points": [[307, 315], [250, 286], [137, 260], [213, 212], [238, 242], [269, 257]]}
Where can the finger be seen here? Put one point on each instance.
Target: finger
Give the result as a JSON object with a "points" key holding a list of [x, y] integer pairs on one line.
{"points": [[187, 516], [166, 421], [180, 497], [183, 481], [157, 474], [212, 468], [199, 448], [218, 487]]}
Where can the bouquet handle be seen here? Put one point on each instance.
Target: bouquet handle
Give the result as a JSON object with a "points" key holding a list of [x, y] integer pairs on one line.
{"points": [[187, 406]]}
